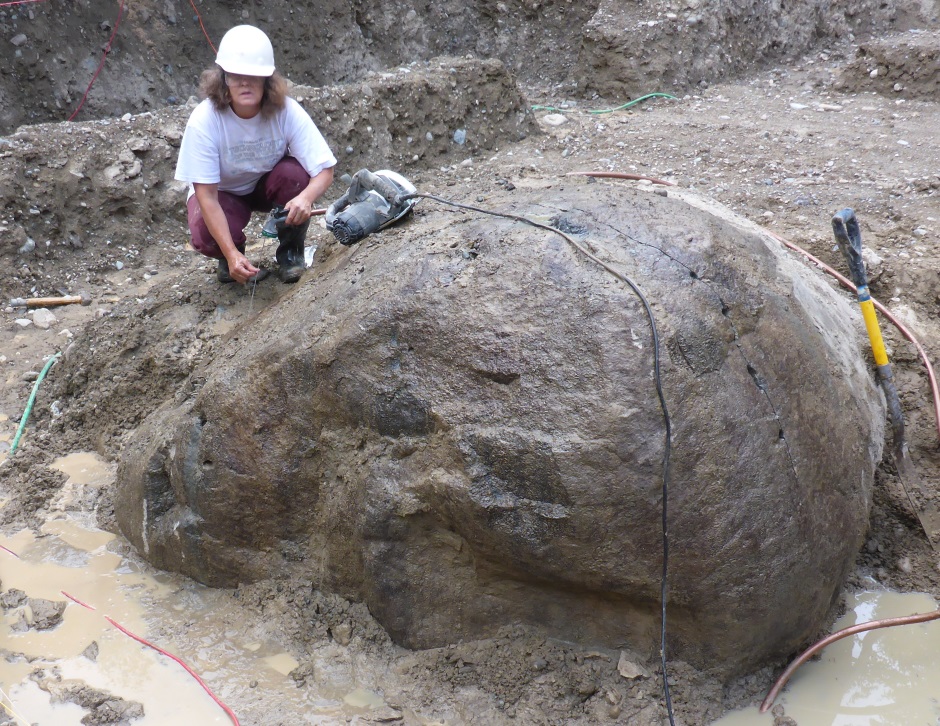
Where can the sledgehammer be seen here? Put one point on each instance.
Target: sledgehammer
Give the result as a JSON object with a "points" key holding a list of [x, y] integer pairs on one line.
{"points": [[849, 238], [46, 302]]}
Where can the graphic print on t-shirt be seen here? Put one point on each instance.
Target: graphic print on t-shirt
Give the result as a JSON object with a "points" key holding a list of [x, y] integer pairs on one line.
{"points": [[258, 155]]}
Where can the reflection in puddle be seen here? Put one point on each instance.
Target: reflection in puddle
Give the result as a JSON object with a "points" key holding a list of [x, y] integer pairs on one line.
{"points": [[204, 627], [83, 468], [283, 663], [875, 678]]}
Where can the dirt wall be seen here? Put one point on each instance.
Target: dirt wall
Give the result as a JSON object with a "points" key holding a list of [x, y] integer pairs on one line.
{"points": [[49, 52]]}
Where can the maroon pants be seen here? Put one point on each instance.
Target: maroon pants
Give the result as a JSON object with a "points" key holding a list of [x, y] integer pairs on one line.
{"points": [[284, 182]]}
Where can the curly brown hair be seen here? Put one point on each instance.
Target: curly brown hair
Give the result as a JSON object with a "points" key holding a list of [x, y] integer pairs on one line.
{"points": [[212, 86]]}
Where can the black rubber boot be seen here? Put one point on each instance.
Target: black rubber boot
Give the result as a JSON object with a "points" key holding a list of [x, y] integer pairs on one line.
{"points": [[290, 251], [222, 273]]}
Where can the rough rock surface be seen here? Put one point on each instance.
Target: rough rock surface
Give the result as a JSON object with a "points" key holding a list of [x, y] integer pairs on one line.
{"points": [[466, 436]]}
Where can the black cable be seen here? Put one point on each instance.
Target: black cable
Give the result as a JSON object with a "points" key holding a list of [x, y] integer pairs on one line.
{"points": [[667, 452]]}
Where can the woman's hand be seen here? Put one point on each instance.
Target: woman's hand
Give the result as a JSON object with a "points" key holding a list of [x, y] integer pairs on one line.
{"points": [[299, 209], [240, 268]]}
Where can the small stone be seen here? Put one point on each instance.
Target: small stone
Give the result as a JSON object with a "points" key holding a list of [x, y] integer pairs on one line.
{"points": [[126, 117], [18, 40], [342, 633], [629, 669], [798, 106], [119, 265], [47, 614], [44, 319], [872, 258], [12, 598], [91, 652], [23, 322], [555, 119], [466, 162], [29, 376]]}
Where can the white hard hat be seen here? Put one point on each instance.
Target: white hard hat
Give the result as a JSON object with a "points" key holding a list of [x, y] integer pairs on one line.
{"points": [[246, 50]]}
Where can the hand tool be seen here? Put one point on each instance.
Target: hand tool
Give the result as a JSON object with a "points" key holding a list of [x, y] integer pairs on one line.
{"points": [[46, 302], [849, 238]]}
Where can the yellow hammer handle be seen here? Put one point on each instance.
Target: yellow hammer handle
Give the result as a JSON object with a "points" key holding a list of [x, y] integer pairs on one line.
{"points": [[874, 332]]}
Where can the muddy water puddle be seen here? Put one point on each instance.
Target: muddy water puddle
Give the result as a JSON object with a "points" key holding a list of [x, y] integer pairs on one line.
{"points": [[240, 661], [884, 677]]}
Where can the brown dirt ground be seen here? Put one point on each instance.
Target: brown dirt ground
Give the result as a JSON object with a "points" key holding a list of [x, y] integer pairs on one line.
{"points": [[787, 147]]}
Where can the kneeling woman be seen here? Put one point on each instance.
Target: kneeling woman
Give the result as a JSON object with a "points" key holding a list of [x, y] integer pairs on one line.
{"points": [[249, 147]]}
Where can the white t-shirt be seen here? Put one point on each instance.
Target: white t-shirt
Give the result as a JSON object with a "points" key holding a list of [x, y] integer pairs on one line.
{"points": [[220, 148]]}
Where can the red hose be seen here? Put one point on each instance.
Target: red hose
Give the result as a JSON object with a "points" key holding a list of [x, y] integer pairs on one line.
{"points": [[107, 49], [812, 650], [76, 600], [231, 714], [621, 175], [7, 549], [195, 10]]}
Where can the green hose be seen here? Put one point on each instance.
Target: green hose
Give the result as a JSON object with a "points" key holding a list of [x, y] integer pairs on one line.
{"points": [[29, 403], [628, 104]]}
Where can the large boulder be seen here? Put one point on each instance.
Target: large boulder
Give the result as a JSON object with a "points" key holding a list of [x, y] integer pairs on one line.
{"points": [[456, 422]]}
